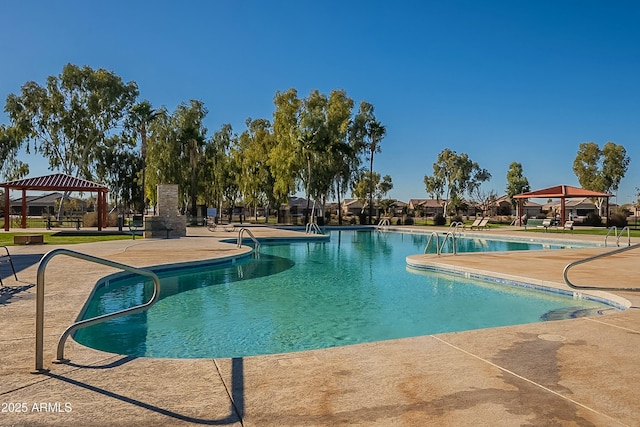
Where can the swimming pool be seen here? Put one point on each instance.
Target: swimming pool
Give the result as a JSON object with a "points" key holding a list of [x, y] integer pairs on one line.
{"points": [[305, 295]]}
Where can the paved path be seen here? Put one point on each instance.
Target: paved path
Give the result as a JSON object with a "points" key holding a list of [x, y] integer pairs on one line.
{"points": [[570, 372]]}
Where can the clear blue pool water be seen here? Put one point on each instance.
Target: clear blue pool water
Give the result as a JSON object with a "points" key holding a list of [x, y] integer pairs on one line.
{"points": [[296, 296]]}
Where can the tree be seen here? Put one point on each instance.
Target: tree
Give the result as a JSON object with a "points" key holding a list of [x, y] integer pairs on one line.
{"points": [[191, 135], [255, 179], [601, 170], [10, 143], [340, 160], [69, 120], [363, 185], [174, 151], [516, 184], [119, 171], [285, 157], [140, 116], [367, 133], [453, 176], [163, 150], [314, 140], [217, 172]]}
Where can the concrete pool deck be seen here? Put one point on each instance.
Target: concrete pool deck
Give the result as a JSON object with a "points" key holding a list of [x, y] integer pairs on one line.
{"points": [[570, 372]]}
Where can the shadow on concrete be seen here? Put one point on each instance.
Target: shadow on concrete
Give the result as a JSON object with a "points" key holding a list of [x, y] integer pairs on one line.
{"points": [[20, 262], [236, 411], [8, 292]]}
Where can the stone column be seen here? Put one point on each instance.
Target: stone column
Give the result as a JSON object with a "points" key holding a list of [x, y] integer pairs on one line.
{"points": [[168, 222]]}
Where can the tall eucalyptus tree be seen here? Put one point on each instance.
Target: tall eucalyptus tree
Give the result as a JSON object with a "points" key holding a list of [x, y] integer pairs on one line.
{"points": [[285, 157], [367, 133], [70, 119], [256, 181]]}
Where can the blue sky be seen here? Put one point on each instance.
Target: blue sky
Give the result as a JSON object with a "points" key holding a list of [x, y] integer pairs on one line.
{"points": [[502, 81]]}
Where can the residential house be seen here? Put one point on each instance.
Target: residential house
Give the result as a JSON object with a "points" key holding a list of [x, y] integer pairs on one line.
{"points": [[503, 206], [47, 204], [426, 207]]}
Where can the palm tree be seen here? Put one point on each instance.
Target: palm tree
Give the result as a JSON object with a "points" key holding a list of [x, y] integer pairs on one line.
{"points": [[140, 116], [375, 132]]}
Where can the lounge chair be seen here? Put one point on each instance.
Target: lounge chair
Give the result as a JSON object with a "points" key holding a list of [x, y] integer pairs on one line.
{"points": [[545, 224], [482, 225], [567, 226], [475, 224], [231, 227]]}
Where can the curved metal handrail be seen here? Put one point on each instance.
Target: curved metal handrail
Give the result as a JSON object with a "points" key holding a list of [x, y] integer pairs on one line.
{"points": [[565, 272], [241, 232], [83, 323], [383, 224], [312, 226], [615, 232], [426, 248], [453, 241], [628, 236]]}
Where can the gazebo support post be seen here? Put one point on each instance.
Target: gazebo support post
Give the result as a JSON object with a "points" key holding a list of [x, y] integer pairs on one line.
{"points": [[23, 221], [7, 217]]}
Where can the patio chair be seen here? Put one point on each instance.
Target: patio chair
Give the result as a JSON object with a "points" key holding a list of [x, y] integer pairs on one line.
{"points": [[482, 225], [6, 258], [567, 226], [475, 224], [545, 224]]}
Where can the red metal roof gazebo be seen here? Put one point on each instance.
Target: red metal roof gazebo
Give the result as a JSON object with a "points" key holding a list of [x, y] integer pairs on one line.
{"points": [[561, 192], [55, 182]]}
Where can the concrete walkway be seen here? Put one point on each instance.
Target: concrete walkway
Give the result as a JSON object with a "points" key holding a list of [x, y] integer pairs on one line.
{"points": [[571, 372]]}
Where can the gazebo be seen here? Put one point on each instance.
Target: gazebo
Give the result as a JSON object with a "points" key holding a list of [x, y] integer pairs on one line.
{"points": [[561, 192], [55, 182]]}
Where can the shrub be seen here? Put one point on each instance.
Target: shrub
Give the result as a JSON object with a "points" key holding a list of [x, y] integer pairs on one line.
{"points": [[619, 219], [593, 219], [457, 218], [408, 221], [439, 219]]}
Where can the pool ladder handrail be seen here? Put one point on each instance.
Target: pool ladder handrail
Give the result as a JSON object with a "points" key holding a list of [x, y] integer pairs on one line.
{"points": [[615, 230], [565, 272], [452, 235], [40, 284], [10, 262], [437, 242], [312, 227], [454, 227], [383, 224], [253, 238]]}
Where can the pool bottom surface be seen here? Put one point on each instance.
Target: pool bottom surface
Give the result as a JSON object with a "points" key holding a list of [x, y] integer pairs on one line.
{"points": [[303, 296]]}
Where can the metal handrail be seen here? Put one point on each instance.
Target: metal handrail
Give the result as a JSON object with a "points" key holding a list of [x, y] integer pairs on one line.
{"points": [[628, 236], [83, 323], [455, 225], [312, 226], [615, 232], [453, 240], [241, 232], [10, 262], [426, 248], [565, 272], [383, 223]]}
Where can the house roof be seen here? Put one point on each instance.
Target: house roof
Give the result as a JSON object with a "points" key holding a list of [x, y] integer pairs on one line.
{"points": [[428, 203], [55, 182], [560, 191]]}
